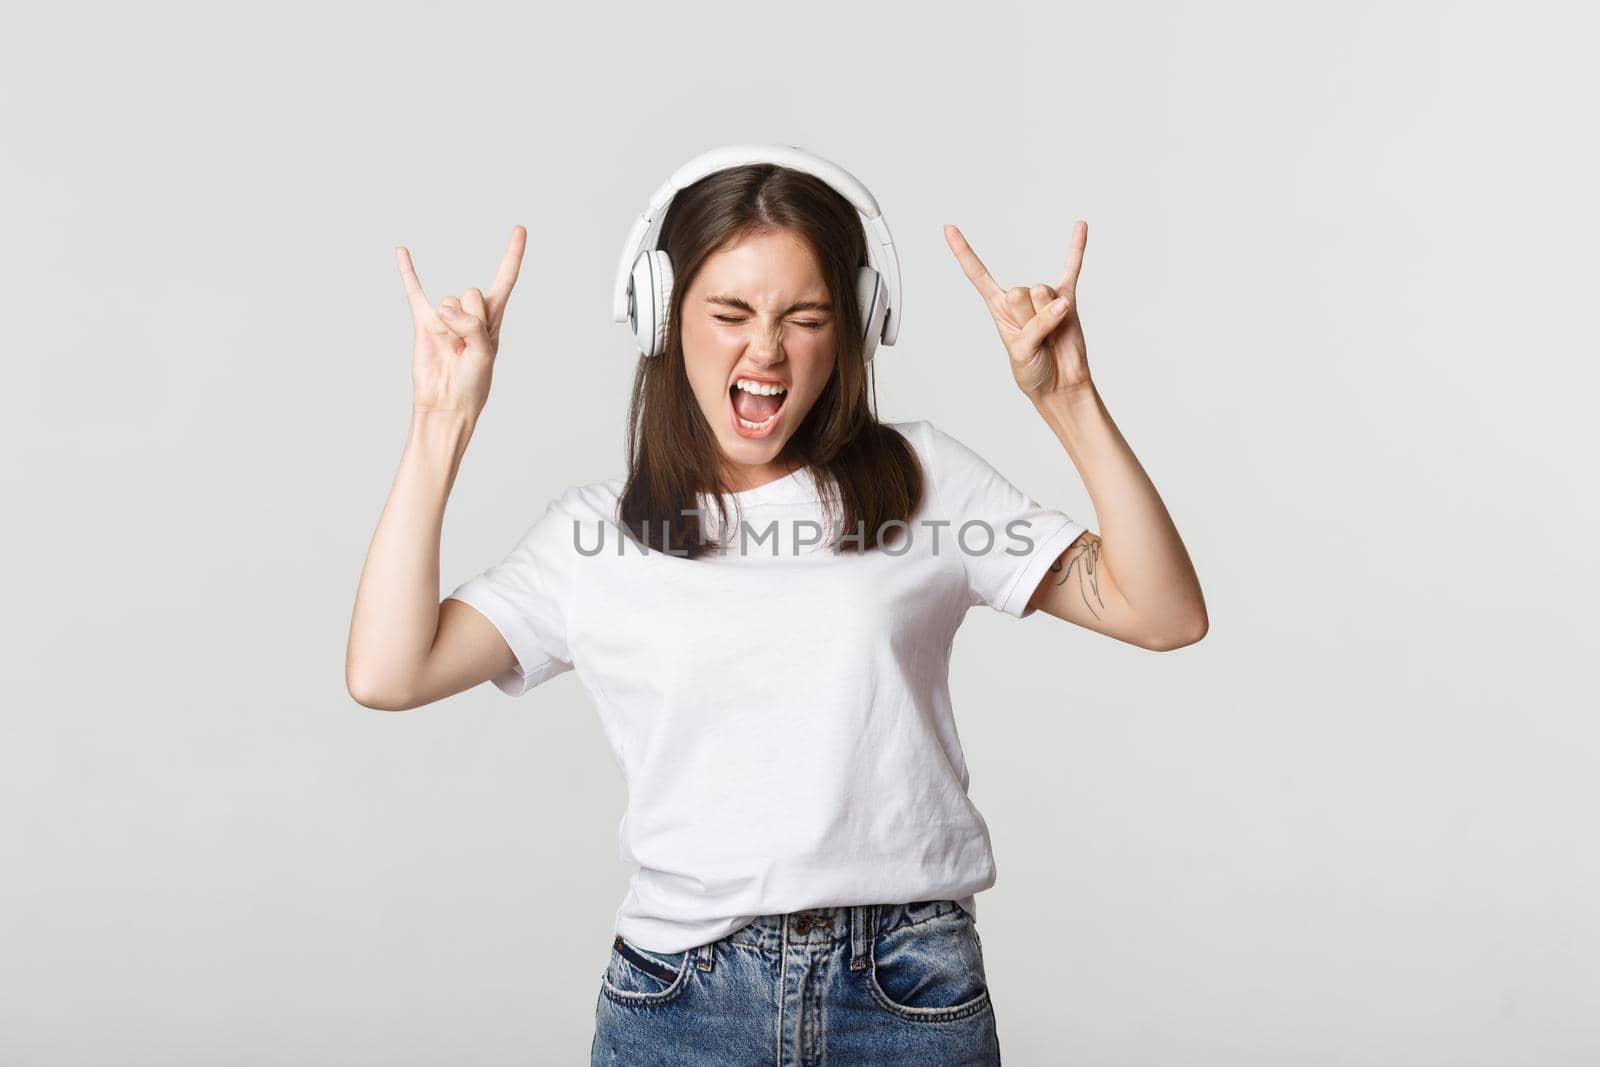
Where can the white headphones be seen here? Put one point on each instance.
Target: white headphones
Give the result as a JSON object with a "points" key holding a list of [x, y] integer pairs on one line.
{"points": [[649, 271]]}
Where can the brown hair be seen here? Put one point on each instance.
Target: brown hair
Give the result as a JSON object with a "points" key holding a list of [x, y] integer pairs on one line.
{"points": [[866, 472]]}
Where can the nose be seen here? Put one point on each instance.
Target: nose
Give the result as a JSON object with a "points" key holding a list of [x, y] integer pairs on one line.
{"points": [[766, 351]]}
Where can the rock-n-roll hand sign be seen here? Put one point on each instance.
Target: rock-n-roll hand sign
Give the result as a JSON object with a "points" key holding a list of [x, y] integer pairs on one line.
{"points": [[453, 346], [1039, 324]]}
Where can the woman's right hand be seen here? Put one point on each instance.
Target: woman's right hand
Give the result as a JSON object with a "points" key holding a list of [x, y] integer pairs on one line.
{"points": [[453, 345]]}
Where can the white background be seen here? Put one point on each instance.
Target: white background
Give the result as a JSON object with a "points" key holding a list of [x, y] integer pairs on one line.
{"points": [[1339, 296]]}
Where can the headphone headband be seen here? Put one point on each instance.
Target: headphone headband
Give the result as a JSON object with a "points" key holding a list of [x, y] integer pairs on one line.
{"points": [[880, 245]]}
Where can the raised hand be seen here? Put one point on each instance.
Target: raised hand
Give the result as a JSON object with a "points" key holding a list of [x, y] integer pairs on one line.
{"points": [[1048, 357], [453, 346]]}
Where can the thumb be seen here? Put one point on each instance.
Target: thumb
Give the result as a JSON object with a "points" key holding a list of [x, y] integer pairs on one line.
{"points": [[1043, 323], [469, 327]]}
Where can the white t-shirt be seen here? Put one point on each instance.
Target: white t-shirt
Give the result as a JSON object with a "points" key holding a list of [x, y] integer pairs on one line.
{"points": [[781, 714]]}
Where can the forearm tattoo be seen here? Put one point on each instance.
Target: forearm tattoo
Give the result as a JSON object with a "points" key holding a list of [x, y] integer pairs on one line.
{"points": [[1082, 557]]}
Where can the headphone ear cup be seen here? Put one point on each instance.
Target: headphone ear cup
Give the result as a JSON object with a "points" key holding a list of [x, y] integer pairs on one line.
{"points": [[872, 299], [650, 294]]}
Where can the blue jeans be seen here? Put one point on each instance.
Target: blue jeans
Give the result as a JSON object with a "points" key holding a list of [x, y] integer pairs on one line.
{"points": [[874, 985]]}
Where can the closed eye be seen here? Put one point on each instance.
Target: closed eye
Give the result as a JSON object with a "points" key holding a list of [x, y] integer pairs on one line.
{"points": [[734, 319]]}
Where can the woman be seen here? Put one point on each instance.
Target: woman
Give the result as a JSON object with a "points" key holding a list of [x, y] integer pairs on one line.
{"points": [[773, 678]]}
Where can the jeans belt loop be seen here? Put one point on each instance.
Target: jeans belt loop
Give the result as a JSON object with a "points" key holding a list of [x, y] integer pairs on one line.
{"points": [[862, 924]]}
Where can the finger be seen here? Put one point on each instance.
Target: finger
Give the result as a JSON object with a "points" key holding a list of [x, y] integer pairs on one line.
{"points": [[506, 276], [441, 315], [1042, 294], [1019, 302], [470, 329], [408, 276], [472, 302], [971, 265], [1043, 324], [1069, 276]]}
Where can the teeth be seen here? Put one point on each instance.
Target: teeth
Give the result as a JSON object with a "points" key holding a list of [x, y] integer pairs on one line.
{"points": [[759, 388], [747, 424]]}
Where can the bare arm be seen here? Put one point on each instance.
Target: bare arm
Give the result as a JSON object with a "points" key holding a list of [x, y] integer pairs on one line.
{"points": [[1138, 584], [1134, 581], [407, 649]]}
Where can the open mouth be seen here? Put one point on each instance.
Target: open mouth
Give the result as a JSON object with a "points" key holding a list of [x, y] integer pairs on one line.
{"points": [[756, 406]]}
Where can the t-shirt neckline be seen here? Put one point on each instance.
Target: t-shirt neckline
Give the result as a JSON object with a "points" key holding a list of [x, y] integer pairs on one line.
{"points": [[795, 486]]}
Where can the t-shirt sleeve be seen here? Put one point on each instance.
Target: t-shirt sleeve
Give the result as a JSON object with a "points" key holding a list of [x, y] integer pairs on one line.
{"points": [[1006, 540], [526, 597]]}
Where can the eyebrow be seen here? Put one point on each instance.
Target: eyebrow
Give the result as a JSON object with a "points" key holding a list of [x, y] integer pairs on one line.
{"points": [[801, 305]]}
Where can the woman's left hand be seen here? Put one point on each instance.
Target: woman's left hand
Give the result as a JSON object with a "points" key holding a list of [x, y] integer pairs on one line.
{"points": [[1048, 358]]}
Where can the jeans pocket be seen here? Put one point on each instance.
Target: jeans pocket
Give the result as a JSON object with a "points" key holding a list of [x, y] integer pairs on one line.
{"points": [[639, 976], [930, 971]]}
